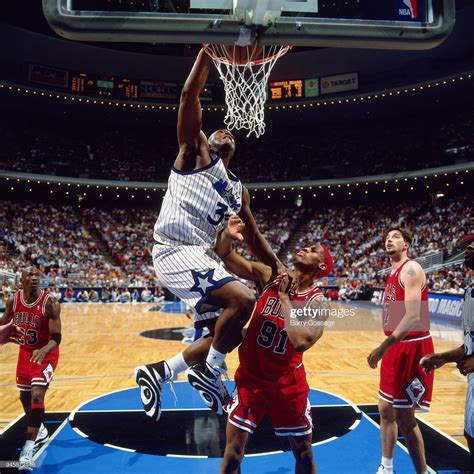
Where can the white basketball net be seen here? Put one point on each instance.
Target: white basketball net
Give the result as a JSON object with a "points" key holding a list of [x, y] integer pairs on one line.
{"points": [[245, 85]]}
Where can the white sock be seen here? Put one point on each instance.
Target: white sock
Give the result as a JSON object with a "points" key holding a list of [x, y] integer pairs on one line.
{"points": [[387, 463], [215, 358], [29, 444], [177, 363]]}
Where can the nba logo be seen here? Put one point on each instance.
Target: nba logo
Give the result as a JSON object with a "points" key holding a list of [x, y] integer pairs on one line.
{"points": [[407, 9]]}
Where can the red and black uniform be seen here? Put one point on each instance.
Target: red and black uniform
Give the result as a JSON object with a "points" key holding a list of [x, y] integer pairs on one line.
{"points": [[271, 378], [33, 322], [402, 380]]}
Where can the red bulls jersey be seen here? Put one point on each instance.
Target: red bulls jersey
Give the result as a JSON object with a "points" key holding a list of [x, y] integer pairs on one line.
{"points": [[267, 354], [32, 320], [394, 308]]}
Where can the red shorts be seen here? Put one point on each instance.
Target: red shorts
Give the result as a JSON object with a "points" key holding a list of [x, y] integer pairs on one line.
{"points": [[287, 404], [29, 373], [402, 381]]}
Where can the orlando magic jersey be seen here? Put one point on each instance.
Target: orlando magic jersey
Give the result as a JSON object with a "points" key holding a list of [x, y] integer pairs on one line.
{"points": [[196, 203], [468, 321], [468, 327]]}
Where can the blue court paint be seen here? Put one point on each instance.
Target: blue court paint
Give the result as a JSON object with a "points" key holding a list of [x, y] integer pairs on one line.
{"points": [[358, 451]]}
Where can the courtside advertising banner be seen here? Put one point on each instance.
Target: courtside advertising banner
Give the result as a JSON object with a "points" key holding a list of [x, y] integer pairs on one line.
{"points": [[446, 306], [339, 83]]}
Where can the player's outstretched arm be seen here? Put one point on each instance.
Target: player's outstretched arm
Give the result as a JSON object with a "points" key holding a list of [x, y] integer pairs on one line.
{"points": [[8, 314], [190, 136], [53, 312], [434, 361], [255, 240], [234, 262]]}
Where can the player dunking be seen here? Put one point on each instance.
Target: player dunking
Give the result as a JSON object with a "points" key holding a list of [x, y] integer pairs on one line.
{"points": [[271, 378], [201, 192], [37, 315], [404, 386], [463, 355]]}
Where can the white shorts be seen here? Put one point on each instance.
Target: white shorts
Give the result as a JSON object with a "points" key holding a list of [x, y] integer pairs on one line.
{"points": [[191, 272], [469, 415]]}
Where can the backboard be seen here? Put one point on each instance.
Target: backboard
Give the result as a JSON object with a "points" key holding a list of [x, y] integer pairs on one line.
{"points": [[387, 24]]}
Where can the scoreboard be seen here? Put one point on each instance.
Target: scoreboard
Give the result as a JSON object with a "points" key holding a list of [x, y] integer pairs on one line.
{"points": [[120, 88], [282, 90], [104, 86]]}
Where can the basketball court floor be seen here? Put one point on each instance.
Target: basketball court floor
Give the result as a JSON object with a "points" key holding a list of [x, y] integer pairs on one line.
{"points": [[97, 424]]}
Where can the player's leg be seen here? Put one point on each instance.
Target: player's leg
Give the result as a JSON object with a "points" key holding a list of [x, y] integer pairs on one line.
{"points": [[470, 444], [151, 377], [469, 418], [414, 440], [388, 423], [246, 410], [25, 399], [237, 303], [388, 435], [236, 439], [37, 411], [303, 453], [35, 422]]}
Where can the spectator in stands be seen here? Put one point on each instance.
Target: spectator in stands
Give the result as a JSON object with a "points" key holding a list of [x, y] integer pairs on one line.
{"points": [[83, 296], [69, 296], [125, 296], [105, 295], [146, 295], [93, 296]]}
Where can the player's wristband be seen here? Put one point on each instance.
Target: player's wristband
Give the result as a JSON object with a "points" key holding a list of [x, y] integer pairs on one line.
{"points": [[56, 337]]}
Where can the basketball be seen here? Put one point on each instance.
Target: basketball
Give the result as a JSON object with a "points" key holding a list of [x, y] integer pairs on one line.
{"points": [[243, 54]]}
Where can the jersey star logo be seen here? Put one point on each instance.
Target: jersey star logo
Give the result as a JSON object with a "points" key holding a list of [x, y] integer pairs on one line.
{"points": [[226, 192], [203, 281]]}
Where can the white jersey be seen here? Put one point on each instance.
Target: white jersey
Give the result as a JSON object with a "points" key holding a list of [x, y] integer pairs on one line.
{"points": [[468, 321], [196, 203], [468, 327]]}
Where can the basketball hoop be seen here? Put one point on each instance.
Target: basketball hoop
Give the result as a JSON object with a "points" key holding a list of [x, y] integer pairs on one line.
{"points": [[245, 78]]}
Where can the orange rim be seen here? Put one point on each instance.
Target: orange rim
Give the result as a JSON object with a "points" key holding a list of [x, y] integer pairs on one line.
{"points": [[225, 60]]}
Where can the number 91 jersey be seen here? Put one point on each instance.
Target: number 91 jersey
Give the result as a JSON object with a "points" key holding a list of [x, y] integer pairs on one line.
{"points": [[267, 355], [32, 320]]}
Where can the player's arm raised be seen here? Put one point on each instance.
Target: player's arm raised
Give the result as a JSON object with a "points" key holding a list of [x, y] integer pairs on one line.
{"points": [[304, 325], [255, 240], [234, 262], [53, 312], [190, 137]]}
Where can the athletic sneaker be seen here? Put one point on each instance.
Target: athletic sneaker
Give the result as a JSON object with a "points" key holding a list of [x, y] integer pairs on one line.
{"points": [[207, 381], [150, 379], [42, 436], [26, 459], [383, 470]]}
